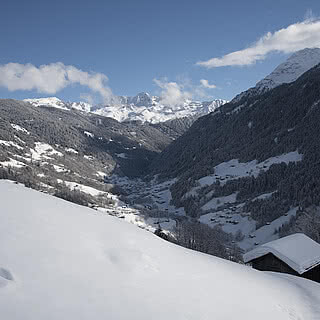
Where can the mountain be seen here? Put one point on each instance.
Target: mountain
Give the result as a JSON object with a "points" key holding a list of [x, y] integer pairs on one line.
{"points": [[63, 261], [287, 72], [54, 102], [252, 166], [248, 167], [142, 107], [48, 102], [126, 148]]}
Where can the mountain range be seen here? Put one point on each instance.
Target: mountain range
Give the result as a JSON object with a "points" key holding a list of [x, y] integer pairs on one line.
{"points": [[252, 166], [142, 107], [249, 167], [147, 108]]}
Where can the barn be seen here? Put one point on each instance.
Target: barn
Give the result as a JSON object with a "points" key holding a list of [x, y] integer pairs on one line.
{"points": [[296, 254]]}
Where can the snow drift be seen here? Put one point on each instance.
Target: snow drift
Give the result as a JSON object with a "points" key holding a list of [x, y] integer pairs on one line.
{"points": [[62, 261]]}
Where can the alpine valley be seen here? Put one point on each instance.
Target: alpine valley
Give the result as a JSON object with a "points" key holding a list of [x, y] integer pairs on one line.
{"points": [[247, 168]]}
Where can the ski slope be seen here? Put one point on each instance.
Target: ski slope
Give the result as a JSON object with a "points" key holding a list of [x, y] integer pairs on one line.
{"points": [[59, 260]]}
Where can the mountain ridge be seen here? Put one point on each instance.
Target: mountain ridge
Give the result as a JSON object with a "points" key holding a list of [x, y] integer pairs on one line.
{"points": [[142, 107], [290, 70]]}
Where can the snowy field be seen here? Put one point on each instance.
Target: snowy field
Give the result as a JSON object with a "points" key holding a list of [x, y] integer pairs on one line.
{"points": [[60, 261], [267, 232], [234, 169], [235, 221]]}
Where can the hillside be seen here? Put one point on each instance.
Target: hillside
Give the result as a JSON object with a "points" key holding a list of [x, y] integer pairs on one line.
{"points": [[77, 136], [60, 260], [251, 162], [289, 71], [87, 159]]}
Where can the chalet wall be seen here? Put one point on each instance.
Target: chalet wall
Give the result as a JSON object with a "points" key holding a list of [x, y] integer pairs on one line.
{"points": [[271, 263], [313, 274]]}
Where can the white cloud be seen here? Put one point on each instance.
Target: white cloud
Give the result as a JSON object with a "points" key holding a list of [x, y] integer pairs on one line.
{"points": [[172, 93], [51, 78], [176, 93], [205, 83], [295, 37]]}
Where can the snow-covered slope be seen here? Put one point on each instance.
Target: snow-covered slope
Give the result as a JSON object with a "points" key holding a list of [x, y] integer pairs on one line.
{"points": [[62, 261], [289, 71], [53, 102], [142, 107], [81, 106]]}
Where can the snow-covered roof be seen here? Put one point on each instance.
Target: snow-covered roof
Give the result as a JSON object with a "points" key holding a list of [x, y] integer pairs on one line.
{"points": [[297, 250]]}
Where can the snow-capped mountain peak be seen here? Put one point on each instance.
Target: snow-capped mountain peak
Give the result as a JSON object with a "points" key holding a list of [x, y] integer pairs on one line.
{"points": [[142, 107], [55, 102], [141, 99], [81, 106], [48, 102], [290, 70]]}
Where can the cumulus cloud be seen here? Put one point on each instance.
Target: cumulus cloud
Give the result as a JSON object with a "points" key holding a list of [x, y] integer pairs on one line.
{"points": [[176, 93], [172, 93], [205, 84], [295, 37], [51, 78]]}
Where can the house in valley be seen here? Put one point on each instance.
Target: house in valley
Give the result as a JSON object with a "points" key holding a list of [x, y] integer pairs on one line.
{"points": [[296, 254]]}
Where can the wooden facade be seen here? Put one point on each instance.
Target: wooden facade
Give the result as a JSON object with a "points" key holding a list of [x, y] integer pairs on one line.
{"points": [[269, 262]]}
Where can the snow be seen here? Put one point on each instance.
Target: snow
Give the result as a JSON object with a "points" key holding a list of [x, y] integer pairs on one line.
{"points": [[10, 144], [59, 168], [122, 155], [21, 157], [12, 163], [233, 219], [46, 186], [44, 151], [289, 71], [81, 106], [133, 216], [88, 157], [63, 261], [71, 150], [220, 201], [47, 102], [83, 188], [243, 223], [144, 107], [297, 250], [264, 196], [18, 128], [161, 196], [88, 134], [100, 174], [59, 104], [20, 140], [234, 169], [266, 233]]}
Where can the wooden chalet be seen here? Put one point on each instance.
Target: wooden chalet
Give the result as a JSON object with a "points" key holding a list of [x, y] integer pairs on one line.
{"points": [[296, 254]]}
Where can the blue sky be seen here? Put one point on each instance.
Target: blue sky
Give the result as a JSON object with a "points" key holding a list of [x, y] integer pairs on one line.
{"points": [[133, 43]]}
